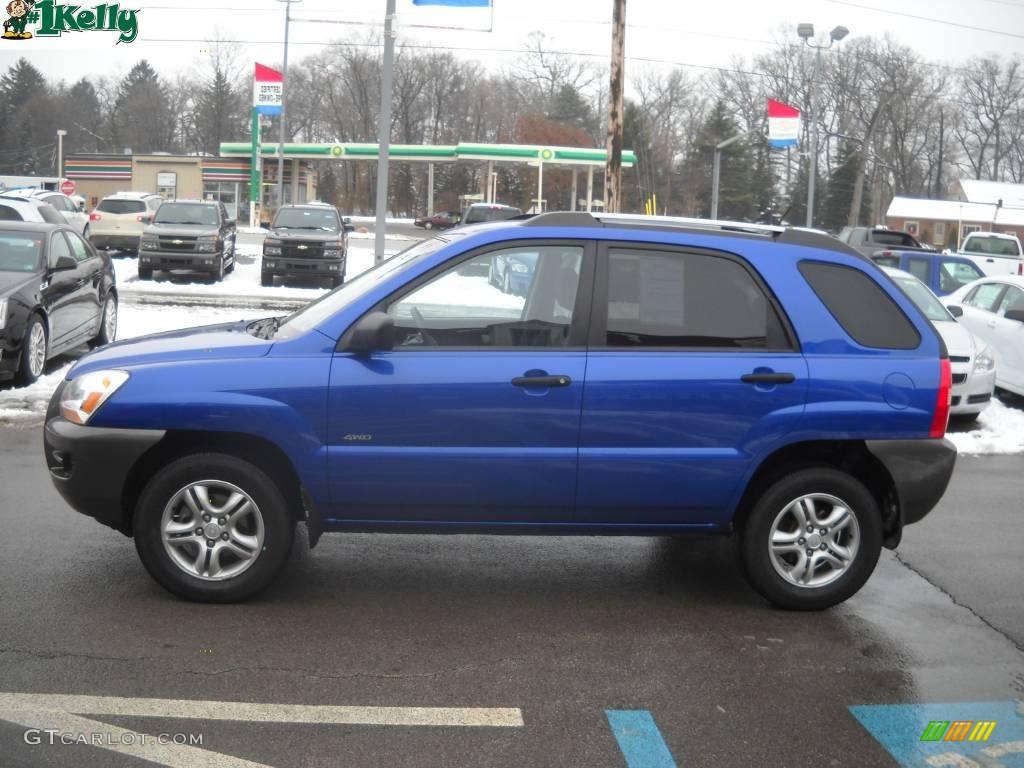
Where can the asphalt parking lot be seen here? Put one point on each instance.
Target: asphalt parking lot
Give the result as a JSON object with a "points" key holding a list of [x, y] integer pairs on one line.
{"points": [[511, 651]]}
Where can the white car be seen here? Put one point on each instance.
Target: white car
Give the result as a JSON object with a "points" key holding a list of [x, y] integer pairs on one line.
{"points": [[26, 209], [971, 361], [117, 222], [993, 310], [70, 212]]}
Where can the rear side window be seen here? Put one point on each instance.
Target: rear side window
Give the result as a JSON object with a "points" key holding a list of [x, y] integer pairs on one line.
{"points": [[919, 269], [675, 299], [985, 296], [860, 305], [9, 214], [121, 206]]}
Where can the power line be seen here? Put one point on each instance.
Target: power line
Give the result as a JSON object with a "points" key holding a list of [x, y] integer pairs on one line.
{"points": [[928, 18]]}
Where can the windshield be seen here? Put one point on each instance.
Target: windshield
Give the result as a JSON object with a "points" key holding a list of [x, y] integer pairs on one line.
{"points": [[20, 252], [476, 215], [926, 300], [313, 314], [324, 219], [186, 213]]}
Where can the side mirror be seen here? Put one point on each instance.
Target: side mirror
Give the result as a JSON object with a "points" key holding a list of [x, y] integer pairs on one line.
{"points": [[955, 311], [348, 227], [1015, 314], [375, 332], [64, 263]]}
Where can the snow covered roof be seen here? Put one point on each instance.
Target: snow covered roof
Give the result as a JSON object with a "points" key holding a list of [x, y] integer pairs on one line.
{"points": [[975, 191], [953, 210]]}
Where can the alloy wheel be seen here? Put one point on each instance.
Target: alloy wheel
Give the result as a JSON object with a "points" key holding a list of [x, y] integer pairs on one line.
{"points": [[814, 540]]}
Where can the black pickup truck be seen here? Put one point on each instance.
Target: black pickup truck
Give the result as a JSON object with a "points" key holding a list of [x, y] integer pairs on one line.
{"points": [[309, 240]]}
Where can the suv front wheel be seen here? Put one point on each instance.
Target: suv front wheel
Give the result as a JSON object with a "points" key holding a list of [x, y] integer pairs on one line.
{"points": [[812, 539], [213, 528]]}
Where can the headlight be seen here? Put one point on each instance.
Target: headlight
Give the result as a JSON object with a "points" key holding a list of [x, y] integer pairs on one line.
{"points": [[208, 243], [149, 243], [83, 396], [271, 250], [984, 362], [3, 313], [520, 269]]}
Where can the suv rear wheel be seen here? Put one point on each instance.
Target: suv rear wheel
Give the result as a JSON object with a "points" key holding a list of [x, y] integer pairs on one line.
{"points": [[812, 539], [212, 527]]}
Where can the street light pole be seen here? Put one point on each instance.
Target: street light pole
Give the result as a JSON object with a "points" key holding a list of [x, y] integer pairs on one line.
{"points": [[384, 132], [284, 103], [716, 171], [806, 31], [61, 133]]}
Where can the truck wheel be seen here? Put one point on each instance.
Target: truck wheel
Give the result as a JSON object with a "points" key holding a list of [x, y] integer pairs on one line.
{"points": [[812, 539], [211, 527], [266, 280], [145, 274], [219, 274]]}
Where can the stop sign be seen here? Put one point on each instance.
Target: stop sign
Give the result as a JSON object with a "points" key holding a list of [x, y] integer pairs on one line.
{"points": [[67, 187]]}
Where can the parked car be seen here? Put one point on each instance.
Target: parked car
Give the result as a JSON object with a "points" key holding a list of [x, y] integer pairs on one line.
{"points": [[872, 241], [117, 222], [993, 310], [479, 212], [942, 274], [972, 362], [69, 210], [188, 235], [307, 240], [442, 220], [512, 272], [994, 253], [670, 378], [23, 209], [56, 293]]}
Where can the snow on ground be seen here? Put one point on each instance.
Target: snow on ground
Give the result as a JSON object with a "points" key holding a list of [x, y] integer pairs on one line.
{"points": [[373, 236], [26, 405], [1000, 430], [373, 220]]}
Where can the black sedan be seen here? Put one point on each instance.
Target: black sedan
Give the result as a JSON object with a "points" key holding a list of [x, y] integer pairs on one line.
{"points": [[56, 293]]}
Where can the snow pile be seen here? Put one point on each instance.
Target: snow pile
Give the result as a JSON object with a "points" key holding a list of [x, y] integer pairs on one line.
{"points": [[373, 220], [1000, 430], [373, 236]]}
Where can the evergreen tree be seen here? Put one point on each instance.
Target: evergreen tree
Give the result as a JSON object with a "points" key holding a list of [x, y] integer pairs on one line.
{"points": [[736, 199], [27, 125], [81, 117], [142, 119], [568, 106]]}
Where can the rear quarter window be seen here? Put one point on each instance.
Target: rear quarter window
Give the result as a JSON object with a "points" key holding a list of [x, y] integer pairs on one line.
{"points": [[9, 214], [861, 307], [121, 206]]}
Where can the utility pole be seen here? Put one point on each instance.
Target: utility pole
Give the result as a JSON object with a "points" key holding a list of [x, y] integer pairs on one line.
{"points": [[284, 103], [384, 131], [613, 170], [61, 133]]}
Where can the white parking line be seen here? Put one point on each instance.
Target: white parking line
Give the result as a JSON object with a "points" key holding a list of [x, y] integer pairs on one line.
{"points": [[63, 713]]}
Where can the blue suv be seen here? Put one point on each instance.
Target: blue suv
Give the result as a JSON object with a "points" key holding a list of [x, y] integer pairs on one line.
{"points": [[655, 377]]}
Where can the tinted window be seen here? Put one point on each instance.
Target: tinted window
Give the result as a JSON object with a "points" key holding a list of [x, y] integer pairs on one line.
{"points": [[9, 214], [985, 296], [187, 213], [19, 252], [889, 237], [865, 311], [955, 274], [665, 299], [78, 247], [918, 268], [121, 206], [516, 297]]}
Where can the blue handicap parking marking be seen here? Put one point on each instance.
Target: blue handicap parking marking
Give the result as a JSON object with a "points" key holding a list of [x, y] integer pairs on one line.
{"points": [[900, 727], [639, 739]]}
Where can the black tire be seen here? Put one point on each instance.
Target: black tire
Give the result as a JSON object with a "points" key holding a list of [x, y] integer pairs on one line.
{"points": [[758, 564], [231, 267], [104, 336], [278, 527], [266, 280], [25, 373], [219, 274], [428, 225], [145, 274]]}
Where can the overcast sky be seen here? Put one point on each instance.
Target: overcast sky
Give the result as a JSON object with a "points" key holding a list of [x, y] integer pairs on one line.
{"points": [[695, 34]]}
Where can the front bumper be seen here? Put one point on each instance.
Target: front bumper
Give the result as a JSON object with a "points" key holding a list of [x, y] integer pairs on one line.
{"points": [[304, 267], [192, 261], [115, 242], [974, 395], [89, 465], [920, 470]]}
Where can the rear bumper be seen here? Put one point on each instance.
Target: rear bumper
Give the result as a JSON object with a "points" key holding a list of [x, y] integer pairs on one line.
{"points": [[193, 261], [920, 469], [89, 466], [117, 242]]}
